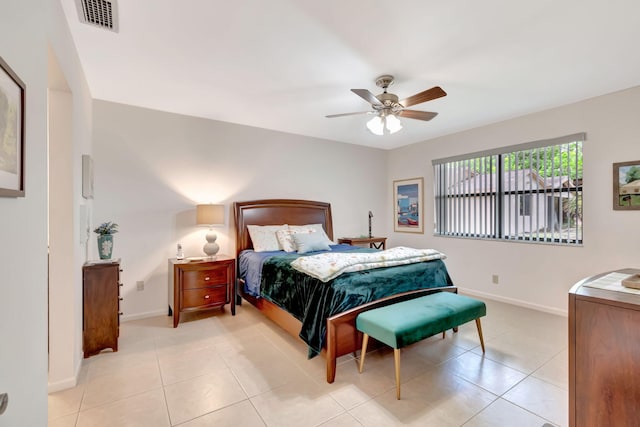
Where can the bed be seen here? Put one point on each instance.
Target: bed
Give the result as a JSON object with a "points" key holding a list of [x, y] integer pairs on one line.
{"points": [[339, 334]]}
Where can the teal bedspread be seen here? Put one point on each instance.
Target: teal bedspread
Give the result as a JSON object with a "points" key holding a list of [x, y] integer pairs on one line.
{"points": [[312, 301]]}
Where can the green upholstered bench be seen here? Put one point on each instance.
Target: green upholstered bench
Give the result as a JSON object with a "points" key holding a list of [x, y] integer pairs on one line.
{"points": [[408, 322]]}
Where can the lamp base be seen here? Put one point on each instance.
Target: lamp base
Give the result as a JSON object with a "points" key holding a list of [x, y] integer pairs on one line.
{"points": [[211, 248]]}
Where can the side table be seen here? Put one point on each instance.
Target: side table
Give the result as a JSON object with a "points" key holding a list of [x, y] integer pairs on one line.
{"points": [[373, 242]]}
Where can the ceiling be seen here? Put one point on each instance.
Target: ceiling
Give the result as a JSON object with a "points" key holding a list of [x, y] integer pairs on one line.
{"points": [[286, 64]]}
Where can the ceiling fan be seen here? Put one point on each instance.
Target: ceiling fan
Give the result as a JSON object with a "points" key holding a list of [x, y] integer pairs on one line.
{"points": [[387, 107]]}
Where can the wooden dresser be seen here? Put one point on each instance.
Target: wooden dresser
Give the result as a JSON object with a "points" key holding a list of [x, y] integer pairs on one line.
{"points": [[201, 285], [100, 306], [604, 356]]}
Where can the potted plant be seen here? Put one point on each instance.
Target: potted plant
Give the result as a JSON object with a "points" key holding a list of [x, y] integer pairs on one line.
{"points": [[105, 232]]}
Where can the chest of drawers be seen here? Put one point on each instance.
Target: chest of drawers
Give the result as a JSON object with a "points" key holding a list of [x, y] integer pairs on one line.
{"points": [[100, 307]]}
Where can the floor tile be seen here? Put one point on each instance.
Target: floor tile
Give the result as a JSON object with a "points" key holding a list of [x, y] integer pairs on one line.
{"points": [[542, 398], [198, 396], [344, 420], [190, 364], [556, 370], [302, 403], [64, 421], [241, 414], [143, 410], [435, 398], [121, 383], [65, 402], [492, 376], [503, 413]]}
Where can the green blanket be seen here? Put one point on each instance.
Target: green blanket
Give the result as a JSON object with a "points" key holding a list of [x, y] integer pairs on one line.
{"points": [[312, 301]]}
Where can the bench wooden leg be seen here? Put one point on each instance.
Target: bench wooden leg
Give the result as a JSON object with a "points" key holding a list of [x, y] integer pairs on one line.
{"points": [[480, 333], [365, 341], [396, 358]]}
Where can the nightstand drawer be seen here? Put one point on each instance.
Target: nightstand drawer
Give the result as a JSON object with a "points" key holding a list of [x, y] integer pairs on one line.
{"points": [[203, 278], [205, 296]]}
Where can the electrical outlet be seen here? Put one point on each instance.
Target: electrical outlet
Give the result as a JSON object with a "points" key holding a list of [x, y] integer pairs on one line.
{"points": [[495, 279], [140, 285]]}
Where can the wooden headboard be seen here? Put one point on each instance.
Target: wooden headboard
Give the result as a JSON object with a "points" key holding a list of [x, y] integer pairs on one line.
{"points": [[278, 212]]}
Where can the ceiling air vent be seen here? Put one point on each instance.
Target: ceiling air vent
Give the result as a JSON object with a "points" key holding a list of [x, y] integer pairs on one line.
{"points": [[99, 13]]}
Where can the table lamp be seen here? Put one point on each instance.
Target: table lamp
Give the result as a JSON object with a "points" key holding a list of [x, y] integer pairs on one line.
{"points": [[210, 215]]}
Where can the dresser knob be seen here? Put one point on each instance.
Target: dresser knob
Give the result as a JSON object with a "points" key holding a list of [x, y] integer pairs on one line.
{"points": [[206, 278], [206, 297]]}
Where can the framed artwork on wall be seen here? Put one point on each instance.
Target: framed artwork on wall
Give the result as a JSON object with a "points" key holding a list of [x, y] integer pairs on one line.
{"points": [[626, 185], [12, 147], [408, 205]]}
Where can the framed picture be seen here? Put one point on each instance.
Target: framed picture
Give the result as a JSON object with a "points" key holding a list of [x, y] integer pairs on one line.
{"points": [[626, 186], [11, 133], [408, 206]]}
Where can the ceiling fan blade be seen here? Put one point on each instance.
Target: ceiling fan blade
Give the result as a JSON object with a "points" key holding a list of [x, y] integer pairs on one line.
{"points": [[349, 114], [427, 95], [367, 96], [418, 115]]}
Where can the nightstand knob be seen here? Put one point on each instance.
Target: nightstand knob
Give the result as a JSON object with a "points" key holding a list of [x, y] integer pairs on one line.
{"points": [[206, 278], [206, 297]]}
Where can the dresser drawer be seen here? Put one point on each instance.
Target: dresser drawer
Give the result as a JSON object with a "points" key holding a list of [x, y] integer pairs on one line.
{"points": [[195, 279], [205, 296]]}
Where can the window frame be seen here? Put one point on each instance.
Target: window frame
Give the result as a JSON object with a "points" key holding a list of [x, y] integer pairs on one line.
{"points": [[479, 190]]}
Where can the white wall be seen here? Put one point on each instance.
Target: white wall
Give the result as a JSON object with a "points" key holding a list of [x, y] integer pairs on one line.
{"points": [[532, 274], [23, 228], [72, 106], [152, 168]]}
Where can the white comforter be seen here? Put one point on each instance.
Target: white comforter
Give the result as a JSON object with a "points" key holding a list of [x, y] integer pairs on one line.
{"points": [[327, 266]]}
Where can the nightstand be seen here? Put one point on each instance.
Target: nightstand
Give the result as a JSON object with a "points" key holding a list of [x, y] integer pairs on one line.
{"points": [[201, 285], [373, 242]]}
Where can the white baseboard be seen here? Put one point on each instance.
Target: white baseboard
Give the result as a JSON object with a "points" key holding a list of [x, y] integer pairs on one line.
{"points": [[67, 382], [552, 310], [138, 316]]}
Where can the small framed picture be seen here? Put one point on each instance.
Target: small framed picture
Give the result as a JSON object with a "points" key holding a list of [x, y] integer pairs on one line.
{"points": [[408, 206], [626, 186], [11, 133]]}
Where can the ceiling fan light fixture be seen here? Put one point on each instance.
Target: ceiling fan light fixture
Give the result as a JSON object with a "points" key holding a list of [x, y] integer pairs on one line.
{"points": [[376, 125], [389, 123], [392, 123]]}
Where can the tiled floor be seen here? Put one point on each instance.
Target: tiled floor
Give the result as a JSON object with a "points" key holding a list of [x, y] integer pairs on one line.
{"points": [[245, 371]]}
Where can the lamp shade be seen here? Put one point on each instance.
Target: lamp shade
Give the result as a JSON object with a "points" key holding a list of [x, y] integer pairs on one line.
{"points": [[210, 214]]}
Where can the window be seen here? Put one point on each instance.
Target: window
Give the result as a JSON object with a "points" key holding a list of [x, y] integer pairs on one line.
{"points": [[524, 201], [528, 192]]}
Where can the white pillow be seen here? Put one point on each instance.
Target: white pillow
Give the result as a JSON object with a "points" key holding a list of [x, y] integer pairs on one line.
{"points": [[310, 242], [285, 237], [315, 227], [285, 240], [264, 237]]}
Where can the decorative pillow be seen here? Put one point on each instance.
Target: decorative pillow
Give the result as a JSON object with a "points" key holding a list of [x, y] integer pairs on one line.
{"points": [[310, 242], [264, 237], [285, 238], [315, 227]]}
